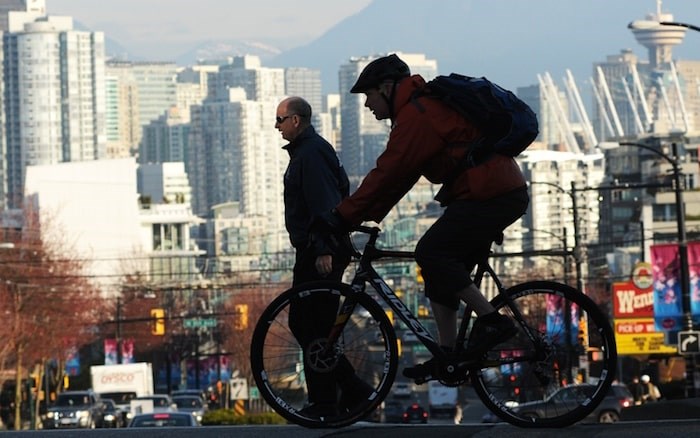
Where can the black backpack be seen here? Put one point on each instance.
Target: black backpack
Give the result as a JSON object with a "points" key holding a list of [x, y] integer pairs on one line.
{"points": [[507, 123]]}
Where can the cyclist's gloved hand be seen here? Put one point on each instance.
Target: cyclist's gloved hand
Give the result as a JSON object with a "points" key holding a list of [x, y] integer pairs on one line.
{"points": [[330, 230], [330, 222]]}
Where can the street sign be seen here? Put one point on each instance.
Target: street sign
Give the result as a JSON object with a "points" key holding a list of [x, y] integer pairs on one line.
{"points": [[253, 393], [689, 342], [199, 322], [239, 389]]}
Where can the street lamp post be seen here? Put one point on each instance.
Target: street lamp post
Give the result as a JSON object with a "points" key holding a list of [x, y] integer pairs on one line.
{"points": [[682, 243]]}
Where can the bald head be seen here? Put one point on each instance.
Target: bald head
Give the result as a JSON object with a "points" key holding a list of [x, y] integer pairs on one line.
{"points": [[293, 116]]}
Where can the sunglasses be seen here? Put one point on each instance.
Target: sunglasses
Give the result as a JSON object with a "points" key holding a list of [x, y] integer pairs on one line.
{"points": [[281, 120]]}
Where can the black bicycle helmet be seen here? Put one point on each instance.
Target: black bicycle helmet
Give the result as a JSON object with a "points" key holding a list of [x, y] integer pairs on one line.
{"points": [[379, 70]]}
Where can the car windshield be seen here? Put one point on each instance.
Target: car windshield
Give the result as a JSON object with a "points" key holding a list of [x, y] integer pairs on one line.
{"points": [[157, 401], [119, 397], [188, 402], [66, 400]]}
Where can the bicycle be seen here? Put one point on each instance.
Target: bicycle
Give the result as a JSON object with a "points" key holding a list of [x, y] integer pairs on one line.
{"points": [[514, 379]]}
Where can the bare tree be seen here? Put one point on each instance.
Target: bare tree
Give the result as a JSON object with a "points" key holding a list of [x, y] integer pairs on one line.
{"points": [[52, 303]]}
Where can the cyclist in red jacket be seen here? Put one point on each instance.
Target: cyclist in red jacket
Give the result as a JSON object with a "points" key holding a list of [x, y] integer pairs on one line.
{"points": [[429, 140]]}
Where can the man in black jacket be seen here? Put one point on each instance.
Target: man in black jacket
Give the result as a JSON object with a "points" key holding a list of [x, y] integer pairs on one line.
{"points": [[314, 182]]}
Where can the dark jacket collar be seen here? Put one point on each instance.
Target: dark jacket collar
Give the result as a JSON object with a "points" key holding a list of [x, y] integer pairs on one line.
{"points": [[307, 133]]}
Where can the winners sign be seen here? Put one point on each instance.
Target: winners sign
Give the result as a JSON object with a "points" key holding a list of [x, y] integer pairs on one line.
{"points": [[633, 309]]}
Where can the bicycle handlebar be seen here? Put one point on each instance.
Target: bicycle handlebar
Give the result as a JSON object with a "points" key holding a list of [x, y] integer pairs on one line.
{"points": [[377, 253]]}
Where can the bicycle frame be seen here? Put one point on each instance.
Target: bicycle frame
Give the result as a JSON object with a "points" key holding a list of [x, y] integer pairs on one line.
{"points": [[366, 273]]}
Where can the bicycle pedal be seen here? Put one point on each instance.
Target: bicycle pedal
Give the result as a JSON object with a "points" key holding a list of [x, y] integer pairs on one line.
{"points": [[422, 380]]}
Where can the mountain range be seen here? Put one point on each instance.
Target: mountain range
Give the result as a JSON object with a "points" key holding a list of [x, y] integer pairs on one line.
{"points": [[509, 41]]}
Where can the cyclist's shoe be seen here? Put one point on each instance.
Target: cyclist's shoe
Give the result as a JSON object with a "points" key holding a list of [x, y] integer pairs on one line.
{"points": [[320, 410], [489, 331], [354, 394], [422, 372]]}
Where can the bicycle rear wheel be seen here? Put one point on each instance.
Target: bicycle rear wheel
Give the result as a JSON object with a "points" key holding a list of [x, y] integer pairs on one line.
{"points": [[366, 345], [558, 376]]}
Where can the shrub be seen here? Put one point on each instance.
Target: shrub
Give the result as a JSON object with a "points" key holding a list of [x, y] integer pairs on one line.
{"points": [[228, 417]]}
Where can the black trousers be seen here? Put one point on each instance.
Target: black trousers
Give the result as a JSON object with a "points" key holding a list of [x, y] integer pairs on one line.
{"points": [[311, 319]]}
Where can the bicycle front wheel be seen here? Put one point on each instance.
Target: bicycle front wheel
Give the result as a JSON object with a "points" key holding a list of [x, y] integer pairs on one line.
{"points": [[292, 363], [559, 366]]}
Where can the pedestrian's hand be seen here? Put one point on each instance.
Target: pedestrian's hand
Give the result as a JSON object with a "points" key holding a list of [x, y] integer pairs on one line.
{"points": [[324, 264]]}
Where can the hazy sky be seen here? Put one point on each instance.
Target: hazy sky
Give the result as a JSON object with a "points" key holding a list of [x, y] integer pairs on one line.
{"points": [[567, 33], [169, 22]]}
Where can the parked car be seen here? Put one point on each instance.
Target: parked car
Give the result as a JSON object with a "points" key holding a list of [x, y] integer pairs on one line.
{"points": [[402, 389], [415, 414], [164, 419], [112, 416], [75, 409], [608, 411], [192, 404]]}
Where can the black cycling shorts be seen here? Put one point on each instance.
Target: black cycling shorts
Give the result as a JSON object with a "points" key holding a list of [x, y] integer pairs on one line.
{"points": [[449, 250]]}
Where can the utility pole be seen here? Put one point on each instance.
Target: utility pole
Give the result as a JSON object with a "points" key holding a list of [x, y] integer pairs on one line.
{"points": [[119, 329], [577, 240]]}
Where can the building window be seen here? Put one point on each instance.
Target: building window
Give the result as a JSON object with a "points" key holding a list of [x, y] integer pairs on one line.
{"points": [[168, 237]]}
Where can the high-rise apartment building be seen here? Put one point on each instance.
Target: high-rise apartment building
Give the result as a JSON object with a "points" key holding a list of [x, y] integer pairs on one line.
{"points": [[140, 92], [549, 222], [363, 137], [17, 8], [166, 139], [236, 153], [306, 83], [247, 72], [54, 96]]}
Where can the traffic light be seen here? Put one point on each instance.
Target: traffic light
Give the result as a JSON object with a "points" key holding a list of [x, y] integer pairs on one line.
{"points": [[419, 275], [583, 332], [423, 311], [240, 322], [158, 323]]}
